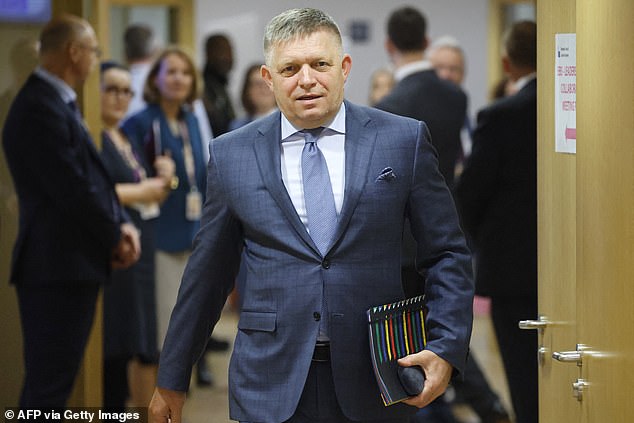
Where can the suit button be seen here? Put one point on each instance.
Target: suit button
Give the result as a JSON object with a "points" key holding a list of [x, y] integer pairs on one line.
{"points": [[317, 316], [325, 264]]}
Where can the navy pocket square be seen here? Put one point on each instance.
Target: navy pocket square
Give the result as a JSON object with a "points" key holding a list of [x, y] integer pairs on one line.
{"points": [[386, 174]]}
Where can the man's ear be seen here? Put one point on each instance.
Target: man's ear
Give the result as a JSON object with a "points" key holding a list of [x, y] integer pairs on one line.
{"points": [[389, 46], [425, 43], [346, 65], [74, 51], [506, 64], [266, 75]]}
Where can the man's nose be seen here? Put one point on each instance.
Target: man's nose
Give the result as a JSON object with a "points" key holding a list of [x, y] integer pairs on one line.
{"points": [[306, 76]]}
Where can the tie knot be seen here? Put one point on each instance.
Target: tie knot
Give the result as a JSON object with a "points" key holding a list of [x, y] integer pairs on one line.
{"points": [[312, 135]]}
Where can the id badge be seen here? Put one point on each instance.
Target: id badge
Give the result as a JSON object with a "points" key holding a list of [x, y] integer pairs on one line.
{"points": [[194, 205], [147, 210]]}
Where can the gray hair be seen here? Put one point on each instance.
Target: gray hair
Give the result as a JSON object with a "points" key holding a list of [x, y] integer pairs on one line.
{"points": [[446, 41], [297, 23]]}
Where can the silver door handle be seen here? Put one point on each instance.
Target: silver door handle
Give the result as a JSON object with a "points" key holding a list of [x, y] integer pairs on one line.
{"points": [[571, 356], [568, 356], [539, 324]]}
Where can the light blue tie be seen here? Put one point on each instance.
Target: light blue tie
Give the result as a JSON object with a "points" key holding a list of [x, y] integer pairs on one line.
{"points": [[320, 202], [321, 212]]}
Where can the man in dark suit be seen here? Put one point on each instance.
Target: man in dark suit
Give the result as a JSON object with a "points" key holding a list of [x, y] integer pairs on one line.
{"points": [[72, 230], [497, 197], [419, 93], [302, 351]]}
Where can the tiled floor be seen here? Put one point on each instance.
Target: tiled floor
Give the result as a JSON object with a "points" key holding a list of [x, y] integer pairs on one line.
{"points": [[210, 405]]}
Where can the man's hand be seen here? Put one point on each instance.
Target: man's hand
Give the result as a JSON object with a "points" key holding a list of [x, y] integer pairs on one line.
{"points": [[437, 375], [166, 406], [128, 250]]}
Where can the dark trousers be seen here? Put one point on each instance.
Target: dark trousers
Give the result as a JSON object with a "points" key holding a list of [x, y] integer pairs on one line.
{"points": [[115, 383], [518, 349], [474, 390], [56, 323], [318, 403]]}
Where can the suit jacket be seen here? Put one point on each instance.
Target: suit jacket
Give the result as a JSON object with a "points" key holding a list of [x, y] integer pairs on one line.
{"points": [[440, 104], [287, 278], [69, 212], [497, 195]]}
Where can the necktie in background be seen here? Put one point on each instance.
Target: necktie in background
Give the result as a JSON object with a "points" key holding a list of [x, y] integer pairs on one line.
{"points": [[75, 110], [320, 202]]}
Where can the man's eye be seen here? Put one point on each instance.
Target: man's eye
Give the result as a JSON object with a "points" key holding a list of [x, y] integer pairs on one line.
{"points": [[288, 70], [321, 64]]}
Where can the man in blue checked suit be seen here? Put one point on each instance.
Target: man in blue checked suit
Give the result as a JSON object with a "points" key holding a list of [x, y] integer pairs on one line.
{"points": [[302, 353]]}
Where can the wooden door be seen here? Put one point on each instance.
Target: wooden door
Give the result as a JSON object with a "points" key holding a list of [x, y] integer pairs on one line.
{"points": [[586, 217], [605, 203], [557, 237]]}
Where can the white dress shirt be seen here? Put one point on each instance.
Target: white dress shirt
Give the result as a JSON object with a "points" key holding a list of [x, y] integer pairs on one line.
{"points": [[331, 143], [521, 82], [410, 68]]}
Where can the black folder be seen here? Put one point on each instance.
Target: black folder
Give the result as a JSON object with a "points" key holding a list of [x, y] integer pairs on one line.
{"points": [[397, 330]]}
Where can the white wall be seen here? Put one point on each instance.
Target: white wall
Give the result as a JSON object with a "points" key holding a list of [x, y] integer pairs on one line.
{"points": [[244, 21]]}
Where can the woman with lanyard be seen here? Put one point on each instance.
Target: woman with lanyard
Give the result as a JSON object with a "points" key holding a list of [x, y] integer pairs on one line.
{"points": [[167, 126], [129, 309]]}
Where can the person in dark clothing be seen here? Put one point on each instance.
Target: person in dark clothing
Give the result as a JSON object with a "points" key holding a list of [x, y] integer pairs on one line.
{"points": [[217, 102], [497, 200], [129, 306]]}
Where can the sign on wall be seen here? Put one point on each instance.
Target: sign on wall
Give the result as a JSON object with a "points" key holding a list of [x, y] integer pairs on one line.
{"points": [[566, 93]]}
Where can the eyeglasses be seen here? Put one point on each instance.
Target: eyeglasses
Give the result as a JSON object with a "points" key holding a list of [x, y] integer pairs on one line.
{"points": [[115, 91], [94, 49]]}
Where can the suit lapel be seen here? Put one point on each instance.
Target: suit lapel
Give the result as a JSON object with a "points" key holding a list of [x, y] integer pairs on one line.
{"points": [[268, 155], [47, 89], [359, 147], [44, 88]]}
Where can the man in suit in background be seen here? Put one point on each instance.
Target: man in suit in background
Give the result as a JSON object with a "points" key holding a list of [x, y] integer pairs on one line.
{"points": [[314, 267], [418, 92], [448, 59], [497, 198], [421, 95], [72, 231]]}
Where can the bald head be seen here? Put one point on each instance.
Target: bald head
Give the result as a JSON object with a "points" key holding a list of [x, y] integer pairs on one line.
{"points": [[69, 49], [61, 31]]}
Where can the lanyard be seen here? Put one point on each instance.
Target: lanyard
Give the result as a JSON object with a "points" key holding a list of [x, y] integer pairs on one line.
{"points": [[125, 151], [188, 154]]}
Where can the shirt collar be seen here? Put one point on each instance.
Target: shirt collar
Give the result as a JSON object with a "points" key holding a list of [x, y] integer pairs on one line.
{"points": [[62, 88], [338, 124], [521, 82], [410, 68]]}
